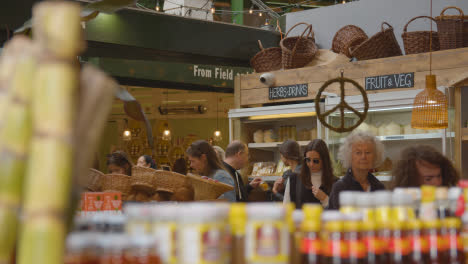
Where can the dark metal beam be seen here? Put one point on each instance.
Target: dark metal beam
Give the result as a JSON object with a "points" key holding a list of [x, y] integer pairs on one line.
{"points": [[171, 85]]}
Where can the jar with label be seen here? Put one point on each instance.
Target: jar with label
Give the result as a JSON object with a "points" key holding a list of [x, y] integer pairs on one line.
{"points": [[163, 229], [428, 209], [139, 219], [142, 250], [76, 245], [200, 234], [267, 235], [114, 249]]}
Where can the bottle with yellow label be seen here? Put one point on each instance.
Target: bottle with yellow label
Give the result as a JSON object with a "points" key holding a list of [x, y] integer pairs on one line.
{"points": [[454, 253], [348, 201], [336, 249], [311, 244], [352, 234], [418, 242], [237, 221]]}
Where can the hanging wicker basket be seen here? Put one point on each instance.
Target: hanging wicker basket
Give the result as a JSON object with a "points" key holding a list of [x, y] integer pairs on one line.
{"points": [[298, 51], [450, 29], [348, 37], [143, 180], [419, 41], [381, 45], [207, 189], [94, 180], [267, 60], [116, 183]]}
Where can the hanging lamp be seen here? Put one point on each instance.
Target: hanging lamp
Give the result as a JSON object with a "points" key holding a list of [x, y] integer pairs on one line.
{"points": [[166, 135], [217, 134], [430, 107], [127, 133]]}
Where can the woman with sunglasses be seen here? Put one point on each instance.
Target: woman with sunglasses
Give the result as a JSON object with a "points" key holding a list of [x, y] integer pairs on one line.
{"points": [[360, 153], [314, 182]]}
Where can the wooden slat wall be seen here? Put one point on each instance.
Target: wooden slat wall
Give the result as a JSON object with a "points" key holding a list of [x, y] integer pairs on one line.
{"points": [[450, 66]]}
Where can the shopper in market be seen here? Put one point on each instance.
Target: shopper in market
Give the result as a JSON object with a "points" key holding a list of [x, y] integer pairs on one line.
{"points": [[237, 157], [360, 153], [119, 163], [146, 161], [316, 178], [290, 153], [424, 165], [205, 162], [220, 152], [180, 166]]}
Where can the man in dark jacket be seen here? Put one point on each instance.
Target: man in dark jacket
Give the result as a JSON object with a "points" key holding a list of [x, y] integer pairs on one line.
{"points": [[237, 157]]}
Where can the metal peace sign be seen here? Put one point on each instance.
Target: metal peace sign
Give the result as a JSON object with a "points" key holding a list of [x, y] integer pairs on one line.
{"points": [[342, 106]]}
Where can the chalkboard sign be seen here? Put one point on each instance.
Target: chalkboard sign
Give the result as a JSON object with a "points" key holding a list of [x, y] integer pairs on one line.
{"points": [[289, 91], [400, 80]]}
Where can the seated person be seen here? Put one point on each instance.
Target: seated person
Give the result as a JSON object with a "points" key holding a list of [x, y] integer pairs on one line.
{"points": [[146, 161], [119, 163], [423, 165]]}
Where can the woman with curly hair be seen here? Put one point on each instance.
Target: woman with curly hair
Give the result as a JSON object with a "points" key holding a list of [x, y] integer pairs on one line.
{"points": [[118, 162], [423, 165]]}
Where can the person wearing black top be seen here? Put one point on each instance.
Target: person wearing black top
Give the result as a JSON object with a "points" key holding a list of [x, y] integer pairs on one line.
{"points": [[360, 153], [314, 182], [290, 153], [237, 157]]}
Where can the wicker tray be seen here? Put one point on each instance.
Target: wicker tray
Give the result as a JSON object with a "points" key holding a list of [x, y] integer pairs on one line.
{"points": [[382, 45], [266, 59], [206, 189], [94, 180], [168, 181], [419, 41], [143, 179], [348, 37], [116, 183], [450, 29]]}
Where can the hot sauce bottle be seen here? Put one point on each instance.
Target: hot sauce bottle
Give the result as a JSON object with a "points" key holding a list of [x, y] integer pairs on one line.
{"points": [[237, 220], [418, 242], [352, 234], [399, 246], [432, 233], [372, 242], [336, 249], [454, 252], [383, 216], [311, 245]]}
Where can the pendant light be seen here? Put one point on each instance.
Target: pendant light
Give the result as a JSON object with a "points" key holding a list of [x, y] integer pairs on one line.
{"points": [[430, 107], [127, 134], [217, 134], [166, 136]]}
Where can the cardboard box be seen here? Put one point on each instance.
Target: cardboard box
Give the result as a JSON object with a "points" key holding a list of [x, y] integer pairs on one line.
{"points": [[101, 201]]}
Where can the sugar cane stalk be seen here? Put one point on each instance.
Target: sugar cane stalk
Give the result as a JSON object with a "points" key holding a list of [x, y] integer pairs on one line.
{"points": [[58, 33], [15, 136]]}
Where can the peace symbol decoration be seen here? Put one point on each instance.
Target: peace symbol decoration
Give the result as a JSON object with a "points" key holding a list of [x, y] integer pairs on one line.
{"points": [[342, 106]]}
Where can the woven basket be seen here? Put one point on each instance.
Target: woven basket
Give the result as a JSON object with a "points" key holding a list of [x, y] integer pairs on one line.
{"points": [[430, 107], [450, 29], [266, 59], [465, 31], [206, 189], [419, 41], [348, 37], [94, 180], [381, 45], [168, 181], [143, 179], [116, 183], [298, 51]]}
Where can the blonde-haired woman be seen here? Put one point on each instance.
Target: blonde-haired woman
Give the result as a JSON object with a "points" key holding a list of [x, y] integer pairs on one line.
{"points": [[360, 153]]}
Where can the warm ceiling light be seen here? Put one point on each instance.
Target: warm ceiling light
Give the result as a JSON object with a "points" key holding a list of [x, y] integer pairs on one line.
{"points": [[277, 116]]}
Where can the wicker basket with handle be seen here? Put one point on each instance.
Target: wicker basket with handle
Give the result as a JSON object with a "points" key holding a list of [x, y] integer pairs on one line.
{"points": [[266, 59], [348, 37], [381, 45], [207, 189], [298, 51], [116, 183], [450, 29], [143, 179], [419, 41], [94, 180]]}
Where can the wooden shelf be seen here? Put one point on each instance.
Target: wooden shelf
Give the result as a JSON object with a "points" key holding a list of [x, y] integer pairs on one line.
{"points": [[404, 137]]}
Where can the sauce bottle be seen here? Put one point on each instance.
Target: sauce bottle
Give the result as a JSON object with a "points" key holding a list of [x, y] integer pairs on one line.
{"points": [[237, 221], [163, 228], [347, 201], [311, 244], [372, 242], [428, 209], [399, 246], [294, 255], [335, 248], [454, 252], [432, 233], [442, 202], [143, 250], [365, 205], [418, 242], [383, 216], [402, 205], [352, 234]]}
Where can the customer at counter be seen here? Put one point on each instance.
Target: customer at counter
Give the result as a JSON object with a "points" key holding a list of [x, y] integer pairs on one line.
{"points": [[237, 157], [146, 161], [205, 162], [360, 153], [290, 154], [119, 163], [316, 178], [424, 165]]}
